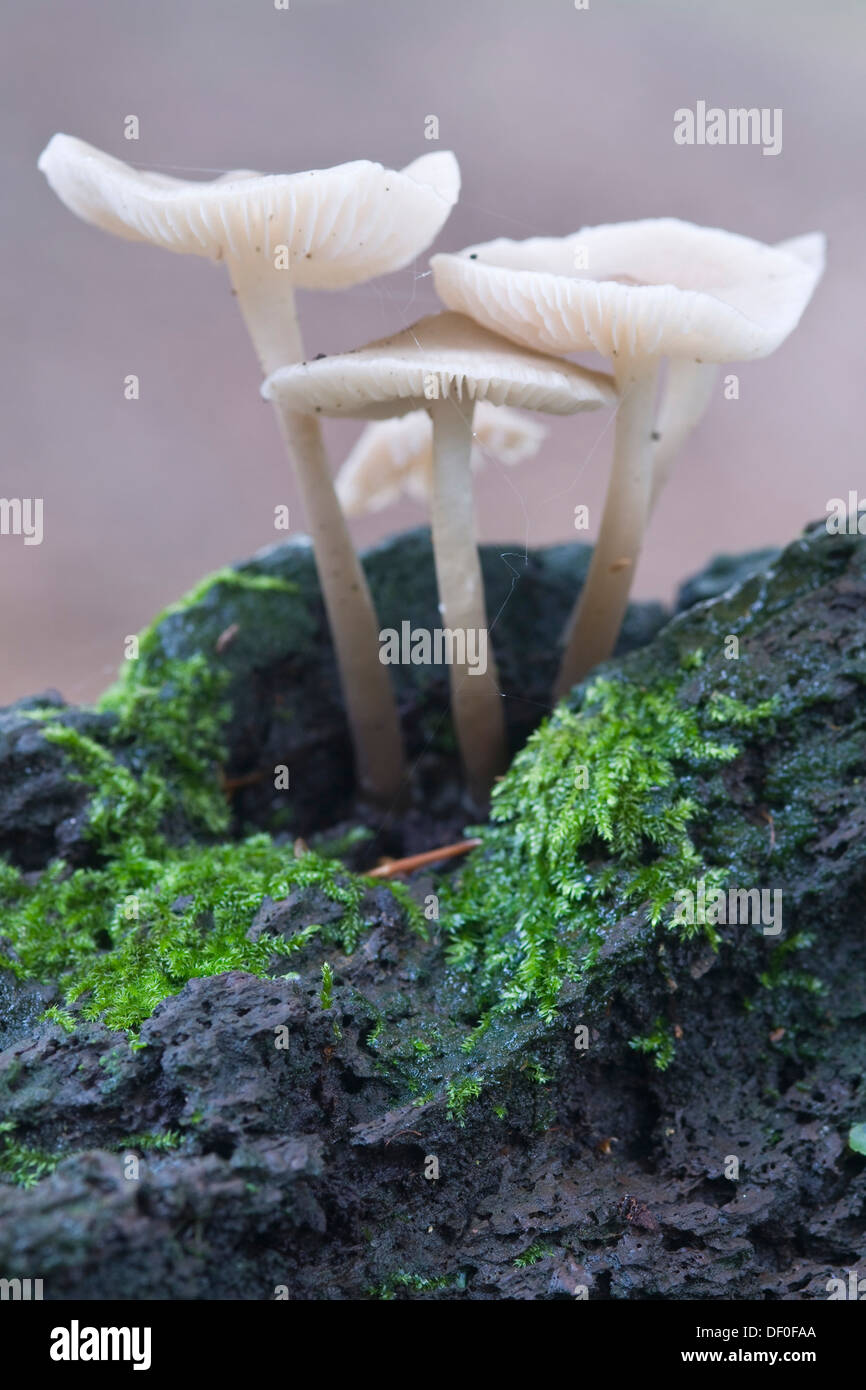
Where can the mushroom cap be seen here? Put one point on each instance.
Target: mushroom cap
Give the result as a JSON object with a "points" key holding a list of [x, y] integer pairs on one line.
{"points": [[447, 354], [393, 457], [341, 225], [658, 287]]}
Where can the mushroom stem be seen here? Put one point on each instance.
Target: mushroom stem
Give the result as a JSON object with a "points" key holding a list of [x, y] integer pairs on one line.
{"points": [[476, 704], [688, 391], [266, 300], [603, 600]]}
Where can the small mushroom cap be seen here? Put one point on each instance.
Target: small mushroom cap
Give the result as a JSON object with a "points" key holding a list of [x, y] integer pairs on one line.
{"points": [[442, 355], [657, 288], [393, 457], [341, 225]]}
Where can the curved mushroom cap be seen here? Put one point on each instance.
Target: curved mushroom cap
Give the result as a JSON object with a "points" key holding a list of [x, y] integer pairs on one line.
{"points": [[442, 355], [341, 225], [395, 457], [657, 287]]}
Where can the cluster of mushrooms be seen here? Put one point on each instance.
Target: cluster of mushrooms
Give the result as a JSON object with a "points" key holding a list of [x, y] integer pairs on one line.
{"points": [[445, 390]]}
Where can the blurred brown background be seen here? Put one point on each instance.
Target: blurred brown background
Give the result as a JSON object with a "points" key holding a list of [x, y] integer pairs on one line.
{"points": [[559, 118]]}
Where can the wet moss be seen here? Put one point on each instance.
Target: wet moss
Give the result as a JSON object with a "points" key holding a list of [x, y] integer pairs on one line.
{"points": [[593, 822], [389, 1288], [741, 771], [533, 1255], [658, 1044], [148, 915], [123, 937], [21, 1166], [677, 763], [739, 763]]}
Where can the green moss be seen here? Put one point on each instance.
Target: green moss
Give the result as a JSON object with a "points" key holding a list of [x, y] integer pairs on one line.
{"points": [[594, 821], [129, 807], [19, 1165], [418, 1283], [533, 1255], [151, 1143], [170, 715], [857, 1139], [174, 714], [123, 937], [148, 916], [780, 974], [326, 994], [658, 1044], [62, 1017], [459, 1094], [158, 761], [618, 800]]}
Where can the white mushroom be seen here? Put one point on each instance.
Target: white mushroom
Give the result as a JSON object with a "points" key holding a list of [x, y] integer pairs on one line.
{"points": [[445, 364], [690, 384], [325, 229], [395, 457], [635, 292]]}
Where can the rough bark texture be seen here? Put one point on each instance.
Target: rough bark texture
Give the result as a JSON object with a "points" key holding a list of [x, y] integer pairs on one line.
{"points": [[303, 1169]]}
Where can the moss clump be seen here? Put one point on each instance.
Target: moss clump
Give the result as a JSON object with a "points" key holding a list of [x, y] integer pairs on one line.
{"points": [[658, 1044], [21, 1166], [459, 1094], [125, 936], [152, 1143], [533, 1255], [160, 764], [857, 1139], [781, 975], [417, 1283], [157, 763], [133, 805], [149, 916], [592, 822], [326, 994]]}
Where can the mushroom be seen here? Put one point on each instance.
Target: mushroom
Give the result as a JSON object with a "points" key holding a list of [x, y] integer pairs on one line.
{"points": [[635, 292], [396, 456], [444, 364], [326, 229], [690, 384], [689, 388]]}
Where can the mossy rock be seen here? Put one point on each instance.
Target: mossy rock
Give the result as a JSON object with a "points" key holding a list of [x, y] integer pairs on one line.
{"points": [[565, 1160], [722, 573], [239, 678]]}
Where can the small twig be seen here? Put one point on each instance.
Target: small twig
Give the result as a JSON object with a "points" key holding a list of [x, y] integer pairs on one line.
{"points": [[418, 861], [768, 817], [226, 638], [233, 784], [402, 1131]]}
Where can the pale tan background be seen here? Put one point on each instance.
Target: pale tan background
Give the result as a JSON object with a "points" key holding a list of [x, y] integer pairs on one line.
{"points": [[558, 117]]}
